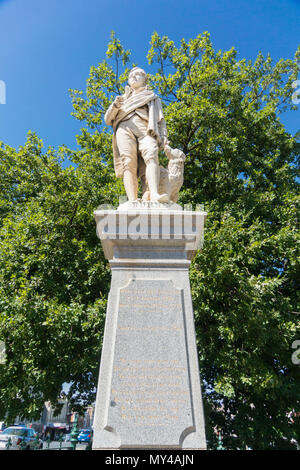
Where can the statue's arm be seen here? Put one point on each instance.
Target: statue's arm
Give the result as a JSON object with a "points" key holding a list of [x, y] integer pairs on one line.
{"points": [[110, 114], [163, 132], [162, 125], [113, 110]]}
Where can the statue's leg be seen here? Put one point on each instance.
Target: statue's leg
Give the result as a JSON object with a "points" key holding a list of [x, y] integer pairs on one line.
{"points": [[130, 185], [149, 150], [152, 178], [127, 147]]}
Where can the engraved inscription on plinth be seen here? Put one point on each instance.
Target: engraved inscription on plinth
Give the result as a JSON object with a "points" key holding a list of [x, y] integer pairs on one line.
{"points": [[150, 400]]}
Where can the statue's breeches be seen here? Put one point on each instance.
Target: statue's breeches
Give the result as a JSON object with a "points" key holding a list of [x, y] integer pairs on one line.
{"points": [[131, 137]]}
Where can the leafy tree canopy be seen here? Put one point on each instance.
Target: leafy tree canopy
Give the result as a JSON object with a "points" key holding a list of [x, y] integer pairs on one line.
{"points": [[224, 113]]}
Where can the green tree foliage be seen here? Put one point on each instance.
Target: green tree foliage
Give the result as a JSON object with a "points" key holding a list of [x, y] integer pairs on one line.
{"points": [[224, 113], [54, 279]]}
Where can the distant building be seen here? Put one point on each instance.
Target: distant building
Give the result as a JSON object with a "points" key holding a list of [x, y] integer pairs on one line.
{"points": [[54, 424], [85, 421]]}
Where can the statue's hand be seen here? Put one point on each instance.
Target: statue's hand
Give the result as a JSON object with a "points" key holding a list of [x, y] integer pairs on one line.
{"points": [[167, 147], [165, 141], [118, 101]]}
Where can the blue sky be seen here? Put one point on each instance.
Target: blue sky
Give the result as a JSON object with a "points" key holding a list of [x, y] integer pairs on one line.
{"points": [[48, 46]]}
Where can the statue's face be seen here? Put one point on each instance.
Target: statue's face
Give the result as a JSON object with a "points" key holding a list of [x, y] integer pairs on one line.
{"points": [[137, 78]]}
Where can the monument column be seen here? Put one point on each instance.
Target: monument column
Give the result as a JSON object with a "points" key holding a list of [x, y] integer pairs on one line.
{"points": [[149, 393]]}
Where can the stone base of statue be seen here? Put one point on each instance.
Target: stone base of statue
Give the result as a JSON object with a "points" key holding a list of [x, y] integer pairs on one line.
{"points": [[149, 394]]}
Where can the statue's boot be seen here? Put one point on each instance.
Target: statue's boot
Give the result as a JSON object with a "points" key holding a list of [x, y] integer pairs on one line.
{"points": [[160, 198], [152, 178]]}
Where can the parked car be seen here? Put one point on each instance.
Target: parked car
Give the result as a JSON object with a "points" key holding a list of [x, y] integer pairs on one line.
{"points": [[84, 435], [17, 434]]}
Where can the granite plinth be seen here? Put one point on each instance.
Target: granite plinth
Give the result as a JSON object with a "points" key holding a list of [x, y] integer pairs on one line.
{"points": [[149, 393]]}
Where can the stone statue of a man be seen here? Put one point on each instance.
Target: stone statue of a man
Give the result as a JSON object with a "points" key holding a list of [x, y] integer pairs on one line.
{"points": [[139, 132]]}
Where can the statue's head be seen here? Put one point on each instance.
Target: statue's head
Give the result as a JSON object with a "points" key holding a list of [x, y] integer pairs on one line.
{"points": [[137, 78]]}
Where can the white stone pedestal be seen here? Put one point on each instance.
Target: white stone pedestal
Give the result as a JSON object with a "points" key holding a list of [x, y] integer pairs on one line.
{"points": [[149, 393]]}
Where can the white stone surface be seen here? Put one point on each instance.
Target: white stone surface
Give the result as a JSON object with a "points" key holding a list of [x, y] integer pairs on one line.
{"points": [[139, 132], [140, 205], [149, 393]]}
